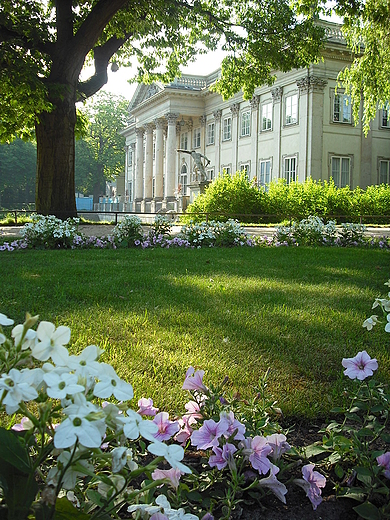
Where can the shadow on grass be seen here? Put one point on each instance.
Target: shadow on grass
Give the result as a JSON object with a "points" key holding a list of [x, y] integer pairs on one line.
{"points": [[232, 312]]}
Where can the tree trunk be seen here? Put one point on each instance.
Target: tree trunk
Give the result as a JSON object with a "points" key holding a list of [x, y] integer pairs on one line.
{"points": [[55, 134]]}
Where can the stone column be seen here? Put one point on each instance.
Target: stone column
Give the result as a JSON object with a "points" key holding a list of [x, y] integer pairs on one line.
{"points": [[148, 162], [311, 109], [130, 173], [235, 109], [217, 136], [171, 158], [277, 106], [139, 168], [254, 102], [159, 161], [203, 120]]}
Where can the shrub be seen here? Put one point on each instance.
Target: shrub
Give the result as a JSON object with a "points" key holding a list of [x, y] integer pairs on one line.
{"points": [[228, 196], [50, 232]]}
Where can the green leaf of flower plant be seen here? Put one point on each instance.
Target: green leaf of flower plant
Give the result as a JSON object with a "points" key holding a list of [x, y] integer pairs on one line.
{"points": [[13, 452], [367, 511], [314, 449], [66, 511], [339, 471]]}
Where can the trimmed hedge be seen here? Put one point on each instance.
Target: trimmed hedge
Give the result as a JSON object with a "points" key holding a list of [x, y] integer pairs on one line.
{"points": [[236, 196]]}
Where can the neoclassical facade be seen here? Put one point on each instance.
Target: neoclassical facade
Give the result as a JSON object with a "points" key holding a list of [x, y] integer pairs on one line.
{"points": [[300, 127]]}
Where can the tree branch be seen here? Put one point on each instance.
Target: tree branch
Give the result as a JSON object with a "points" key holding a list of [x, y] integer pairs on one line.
{"points": [[7, 34], [102, 56]]}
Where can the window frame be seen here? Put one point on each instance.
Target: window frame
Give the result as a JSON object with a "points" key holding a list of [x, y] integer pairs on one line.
{"points": [[339, 157], [130, 157], [385, 115], [245, 127], [287, 173], [184, 141], [196, 138], [292, 121], [227, 136], [259, 180], [210, 173], [227, 168], [343, 96], [383, 160], [263, 105], [211, 134]]}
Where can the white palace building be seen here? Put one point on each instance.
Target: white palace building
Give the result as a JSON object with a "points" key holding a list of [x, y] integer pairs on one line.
{"points": [[296, 129]]}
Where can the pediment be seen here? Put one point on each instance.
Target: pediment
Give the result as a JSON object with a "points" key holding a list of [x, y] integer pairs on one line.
{"points": [[144, 92]]}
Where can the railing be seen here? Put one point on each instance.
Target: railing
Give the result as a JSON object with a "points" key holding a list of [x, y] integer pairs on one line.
{"points": [[173, 215]]}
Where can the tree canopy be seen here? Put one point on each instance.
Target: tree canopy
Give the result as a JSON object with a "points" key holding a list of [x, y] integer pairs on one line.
{"points": [[366, 30], [44, 45]]}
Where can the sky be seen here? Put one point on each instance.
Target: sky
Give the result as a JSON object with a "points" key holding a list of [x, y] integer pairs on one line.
{"points": [[117, 81]]}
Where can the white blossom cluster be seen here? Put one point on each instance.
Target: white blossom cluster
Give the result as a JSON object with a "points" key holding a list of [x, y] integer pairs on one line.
{"points": [[50, 231], [215, 233], [384, 305]]}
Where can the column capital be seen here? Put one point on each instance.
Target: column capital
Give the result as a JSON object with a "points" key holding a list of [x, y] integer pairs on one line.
{"points": [[149, 127], [203, 120], [171, 118], [277, 94], [132, 146], [217, 115], [160, 123], [235, 108], [311, 84], [254, 102], [139, 131]]}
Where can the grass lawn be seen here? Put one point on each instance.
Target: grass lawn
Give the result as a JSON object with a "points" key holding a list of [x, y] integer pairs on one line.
{"points": [[232, 312]]}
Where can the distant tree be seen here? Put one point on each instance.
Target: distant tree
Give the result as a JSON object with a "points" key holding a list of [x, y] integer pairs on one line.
{"points": [[100, 152], [44, 44], [17, 173]]}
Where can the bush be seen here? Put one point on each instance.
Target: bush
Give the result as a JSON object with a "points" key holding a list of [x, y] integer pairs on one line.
{"points": [[228, 197], [128, 231]]}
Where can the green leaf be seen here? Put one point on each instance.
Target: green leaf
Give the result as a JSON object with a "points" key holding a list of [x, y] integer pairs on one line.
{"points": [[368, 511], [366, 472], [194, 496], [314, 449], [339, 471], [385, 437], [365, 432], [66, 511], [13, 451]]}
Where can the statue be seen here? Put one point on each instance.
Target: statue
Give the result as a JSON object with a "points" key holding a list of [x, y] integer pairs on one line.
{"points": [[199, 167]]}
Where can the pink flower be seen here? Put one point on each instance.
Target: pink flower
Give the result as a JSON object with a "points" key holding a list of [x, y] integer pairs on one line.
{"points": [[311, 483], [166, 428], [193, 410], [360, 366], [258, 458], [234, 425], [171, 476], [223, 457], [207, 436], [279, 445], [185, 432], [146, 407], [384, 461], [271, 482], [194, 381]]}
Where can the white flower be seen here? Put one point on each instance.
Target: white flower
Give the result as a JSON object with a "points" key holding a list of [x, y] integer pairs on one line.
{"points": [[172, 454], [387, 328], [4, 321], [134, 426], [30, 339], [173, 514], [146, 508], [110, 384], [119, 458], [83, 424], [51, 342], [19, 386], [370, 322], [61, 385]]}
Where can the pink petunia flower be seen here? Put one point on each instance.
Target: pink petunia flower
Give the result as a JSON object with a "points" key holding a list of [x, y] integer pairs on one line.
{"points": [[185, 432], [272, 483], [166, 428], [384, 461], [193, 410], [312, 483], [223, 456], [258, 458], [171, 476], [146, 407], [234, 425], [208, 434], [279, 445], [194, 381], [360, 366]]}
